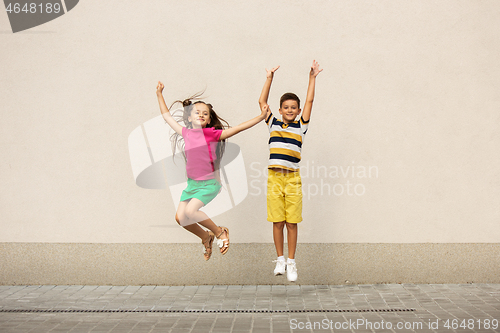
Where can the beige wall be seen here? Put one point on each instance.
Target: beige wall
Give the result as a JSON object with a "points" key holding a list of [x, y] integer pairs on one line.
{"points": [[409, 88], [183, 264]]}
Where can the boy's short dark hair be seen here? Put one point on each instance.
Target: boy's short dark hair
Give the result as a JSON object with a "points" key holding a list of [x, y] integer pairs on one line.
{"points": [[289, 96]]}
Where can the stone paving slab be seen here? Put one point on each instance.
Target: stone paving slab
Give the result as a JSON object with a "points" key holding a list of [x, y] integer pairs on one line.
{"points": [[262, 308]]}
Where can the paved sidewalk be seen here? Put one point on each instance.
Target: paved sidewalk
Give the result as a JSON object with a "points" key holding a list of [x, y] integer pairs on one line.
{"points": [[277, 308]]}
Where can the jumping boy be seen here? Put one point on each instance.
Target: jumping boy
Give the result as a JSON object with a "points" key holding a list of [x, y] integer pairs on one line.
{"points": [[284, 186]]}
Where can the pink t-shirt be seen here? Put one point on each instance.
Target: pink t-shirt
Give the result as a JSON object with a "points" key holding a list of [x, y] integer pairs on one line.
{"points": [[200, 146]]}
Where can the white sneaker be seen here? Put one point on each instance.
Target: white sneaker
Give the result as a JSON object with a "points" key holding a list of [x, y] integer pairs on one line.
{"points": [[280, 267], [291, 272]]}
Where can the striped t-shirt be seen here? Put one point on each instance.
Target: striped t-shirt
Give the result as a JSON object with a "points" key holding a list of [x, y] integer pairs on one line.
{"points": [[285, 143]]}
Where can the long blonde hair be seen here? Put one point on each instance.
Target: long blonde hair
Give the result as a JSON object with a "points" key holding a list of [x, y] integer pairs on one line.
{"points": [[215, 122]]}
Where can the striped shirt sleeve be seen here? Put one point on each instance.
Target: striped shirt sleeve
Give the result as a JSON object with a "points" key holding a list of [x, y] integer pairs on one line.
{"points": [[304, 125], [269, 121]]}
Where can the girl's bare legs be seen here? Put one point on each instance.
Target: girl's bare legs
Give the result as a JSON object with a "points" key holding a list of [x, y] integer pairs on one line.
{"points": [[292, 231], [184, 221], [278, 237], [188, 216], [195, 215], [184, 218]]}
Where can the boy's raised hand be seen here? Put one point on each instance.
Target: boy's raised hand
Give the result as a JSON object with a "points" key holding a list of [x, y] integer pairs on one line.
{"points": [[270, 72], [315, 69], [159, 88]]}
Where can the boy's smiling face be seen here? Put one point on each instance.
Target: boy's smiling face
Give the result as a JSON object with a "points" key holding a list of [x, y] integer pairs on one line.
{"points": [[289, 110]]}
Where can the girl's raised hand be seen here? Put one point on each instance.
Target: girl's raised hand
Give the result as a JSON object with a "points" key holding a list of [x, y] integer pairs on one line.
{"points": [[270, 72], [264, 110], [315, 69], [159, 88]]}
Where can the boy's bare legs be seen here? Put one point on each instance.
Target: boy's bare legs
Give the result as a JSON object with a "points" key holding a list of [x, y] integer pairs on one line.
{"points": [[278, 237], [279, 243], [292, 232], [291, 269]]}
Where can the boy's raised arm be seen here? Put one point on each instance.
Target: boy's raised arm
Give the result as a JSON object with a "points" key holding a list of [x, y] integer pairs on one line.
{"points": [[267, 86], [306, 114], [164, 110]]}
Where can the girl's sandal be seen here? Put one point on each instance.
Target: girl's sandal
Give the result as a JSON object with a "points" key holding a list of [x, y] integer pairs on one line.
{"points": [[207, 252], [223, 243]]}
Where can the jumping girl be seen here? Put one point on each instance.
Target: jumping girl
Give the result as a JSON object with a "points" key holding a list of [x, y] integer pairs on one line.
{"points": [[203, 141]]}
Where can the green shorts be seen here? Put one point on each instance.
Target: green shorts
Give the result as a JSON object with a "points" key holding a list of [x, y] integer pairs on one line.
{"points": [[203, 190]]}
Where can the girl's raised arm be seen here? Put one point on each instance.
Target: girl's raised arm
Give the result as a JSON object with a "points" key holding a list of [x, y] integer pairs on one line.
{"points": [[229, 132], [164, 110]]}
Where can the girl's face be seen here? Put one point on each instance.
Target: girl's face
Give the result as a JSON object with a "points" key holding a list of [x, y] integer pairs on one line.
{"points": [[200, 115]]}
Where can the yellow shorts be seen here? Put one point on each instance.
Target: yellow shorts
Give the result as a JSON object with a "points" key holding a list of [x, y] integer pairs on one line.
{"points": [[284, 196]]}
